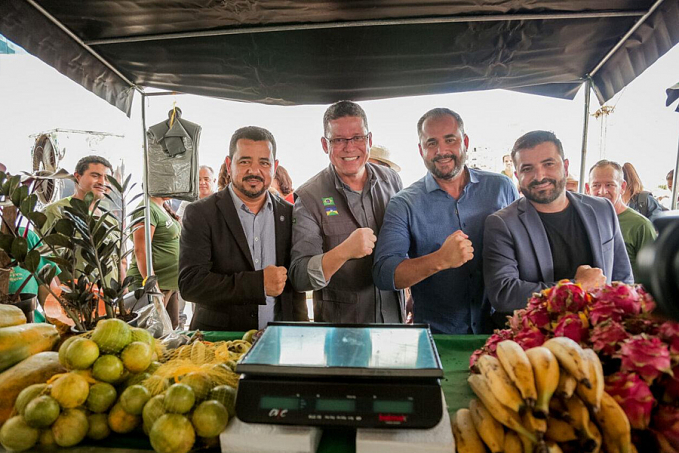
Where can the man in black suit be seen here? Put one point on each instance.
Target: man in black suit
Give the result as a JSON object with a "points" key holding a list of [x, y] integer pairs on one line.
{"points": [[235, 245]]}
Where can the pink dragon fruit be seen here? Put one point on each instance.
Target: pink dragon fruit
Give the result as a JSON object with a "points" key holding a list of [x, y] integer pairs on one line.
{"points": [[606, 336], [647, 302], [634, 396], [515, 321], [536, 316], [648, 356], [530, 338], [666, 424], [567, 297], [574, 326], [491, 345], [669, 331], [539, 298], [602, 310], [622, 296]]}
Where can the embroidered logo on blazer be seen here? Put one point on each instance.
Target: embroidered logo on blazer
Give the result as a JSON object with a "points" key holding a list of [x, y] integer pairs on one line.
{"points": [[331, 211], [328, 201]]}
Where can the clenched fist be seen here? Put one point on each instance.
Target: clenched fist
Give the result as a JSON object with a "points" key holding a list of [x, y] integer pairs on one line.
{"points": [[274, 280], [360, 243], [456, 250], [590, 277]]}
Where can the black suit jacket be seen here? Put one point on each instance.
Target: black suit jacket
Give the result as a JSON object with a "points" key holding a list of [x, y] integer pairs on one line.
{"points": [[216, 271]]}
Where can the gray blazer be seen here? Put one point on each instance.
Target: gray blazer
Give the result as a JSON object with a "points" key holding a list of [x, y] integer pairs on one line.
{"points": [[517, 259]]}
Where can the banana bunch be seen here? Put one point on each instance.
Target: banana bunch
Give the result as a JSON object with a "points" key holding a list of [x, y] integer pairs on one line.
{"points": [[548, 399]]}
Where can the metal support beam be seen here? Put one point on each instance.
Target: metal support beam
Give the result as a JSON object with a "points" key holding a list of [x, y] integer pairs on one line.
{"points": [[366, 23], [673, 205], [624, 38], [585, 131], [80, 42], [147, 199]]}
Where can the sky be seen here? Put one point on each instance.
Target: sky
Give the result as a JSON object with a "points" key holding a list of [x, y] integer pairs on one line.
{"points": [[35, 98]]}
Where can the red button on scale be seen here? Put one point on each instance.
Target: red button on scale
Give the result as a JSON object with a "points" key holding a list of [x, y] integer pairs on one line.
{"points": [[392, 418]]}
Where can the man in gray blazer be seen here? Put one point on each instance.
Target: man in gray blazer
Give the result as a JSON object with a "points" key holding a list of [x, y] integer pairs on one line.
{"points": [[549, 235]]}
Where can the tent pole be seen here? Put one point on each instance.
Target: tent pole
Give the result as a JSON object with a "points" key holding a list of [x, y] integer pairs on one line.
{"points": [[585, 130], [147, 199], [673, 205]]}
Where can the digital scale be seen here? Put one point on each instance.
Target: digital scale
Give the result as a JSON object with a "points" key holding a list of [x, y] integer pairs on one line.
{"points": [[362, 376]]}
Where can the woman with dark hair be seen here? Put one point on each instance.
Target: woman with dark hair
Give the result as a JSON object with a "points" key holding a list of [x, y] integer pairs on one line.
{"points": [[635, 196], [282, 183]]}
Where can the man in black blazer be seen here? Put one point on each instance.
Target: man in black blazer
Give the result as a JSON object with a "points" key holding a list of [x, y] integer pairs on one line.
{"points": [[235, 245]]}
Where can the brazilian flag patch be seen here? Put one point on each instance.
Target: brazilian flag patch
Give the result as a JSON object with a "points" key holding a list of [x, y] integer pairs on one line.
{"points": [[328, 201], [331, 211]]}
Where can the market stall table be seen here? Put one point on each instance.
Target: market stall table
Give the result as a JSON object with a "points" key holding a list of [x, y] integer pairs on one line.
{"points": [[454, 351]]}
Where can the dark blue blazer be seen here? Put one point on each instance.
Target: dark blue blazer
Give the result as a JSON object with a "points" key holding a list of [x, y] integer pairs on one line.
{"points": [[517, 259]]}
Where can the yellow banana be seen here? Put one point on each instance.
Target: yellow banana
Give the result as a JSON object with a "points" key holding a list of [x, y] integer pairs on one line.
{"points": [[595, 447], [579, 416], [499, 381], [490, 430], [553, 447], [560, 431], [515, 362], [509, 418], [528, 445], [512, 443], [467, 440], [567, 385], [533, 424], [546, 372], [569, 355], [614, 425], [596, 374]]}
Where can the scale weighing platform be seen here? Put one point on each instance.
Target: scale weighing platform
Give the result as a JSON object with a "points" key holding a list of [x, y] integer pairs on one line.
{"points": [[362, 376]]}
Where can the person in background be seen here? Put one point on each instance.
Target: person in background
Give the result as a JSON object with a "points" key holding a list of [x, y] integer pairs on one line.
{"points": [[432, 235], [550, 234], [636, 197], [165, 231], [380, 155], [670, 183], [338, 215], [606, 181], [206, 187], [508, 169], [571, 184], [235, 245], [223, 179], [282, 184]]}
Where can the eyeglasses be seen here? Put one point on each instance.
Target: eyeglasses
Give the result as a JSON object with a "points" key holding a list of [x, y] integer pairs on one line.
{"points": [[357, 140]]}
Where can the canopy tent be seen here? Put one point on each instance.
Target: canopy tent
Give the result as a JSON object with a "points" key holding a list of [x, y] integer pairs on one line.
{"points": [[313, 51]]}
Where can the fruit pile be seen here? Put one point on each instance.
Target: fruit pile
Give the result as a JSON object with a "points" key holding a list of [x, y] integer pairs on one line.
{"points": [[115, 386], [548, 398]]}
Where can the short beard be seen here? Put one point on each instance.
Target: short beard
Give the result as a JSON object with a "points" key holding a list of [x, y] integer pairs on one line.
{"points": [[250, 193], [547, 196], [459, 165]]}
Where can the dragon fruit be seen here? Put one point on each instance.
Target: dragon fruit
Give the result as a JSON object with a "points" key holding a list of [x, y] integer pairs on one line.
{"points": [[603, 310], [530, 338], [634, 396], [491, 345], [567, 297], [647, 302], [606, 337], [623, 296], [648, 356], [536, 316], [669, 331], [666, 424], [574, 326]]}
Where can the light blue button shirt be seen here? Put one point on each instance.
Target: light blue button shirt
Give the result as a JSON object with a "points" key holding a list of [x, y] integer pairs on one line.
{"points": [[261, 236]]}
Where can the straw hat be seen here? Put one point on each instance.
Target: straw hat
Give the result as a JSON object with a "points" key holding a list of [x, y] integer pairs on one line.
{"points": [[383, 154]]}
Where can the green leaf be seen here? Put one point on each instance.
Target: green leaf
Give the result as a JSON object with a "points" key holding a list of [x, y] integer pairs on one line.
{"points": [[88, 200], [57, 240], [61, 262], [32, 261], [114, 182], [79, 205], [65, 276], [28, 203], [38, 219], [19, 248], [18, 195], [65, 227], [47, 273]]}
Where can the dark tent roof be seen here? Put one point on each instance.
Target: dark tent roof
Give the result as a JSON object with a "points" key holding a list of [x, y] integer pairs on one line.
{"points": [[319, 51]]}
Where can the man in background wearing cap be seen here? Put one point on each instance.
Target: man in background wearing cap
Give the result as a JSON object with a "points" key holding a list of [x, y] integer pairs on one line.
{"points": [[338, 215]]}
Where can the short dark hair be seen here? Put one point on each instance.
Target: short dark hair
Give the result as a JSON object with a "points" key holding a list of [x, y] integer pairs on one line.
{"points": [[534, 138], [437, 113], [609, 163], [84, 163], [284, 180], [255, 133], [670, 175], [342, 109]]}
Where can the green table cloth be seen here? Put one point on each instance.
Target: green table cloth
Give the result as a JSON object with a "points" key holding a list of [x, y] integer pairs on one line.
{"points": [[454, 351]]}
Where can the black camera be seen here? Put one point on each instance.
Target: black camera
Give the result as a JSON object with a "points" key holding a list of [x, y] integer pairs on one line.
{"points": [[658, 265]]}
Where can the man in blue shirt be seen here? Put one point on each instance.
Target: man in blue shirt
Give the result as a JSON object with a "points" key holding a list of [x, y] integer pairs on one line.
{"points": [[432, 234]]}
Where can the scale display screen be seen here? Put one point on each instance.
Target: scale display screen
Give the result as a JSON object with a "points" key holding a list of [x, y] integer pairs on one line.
{"points": [[341, 350], [335, 405]]}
